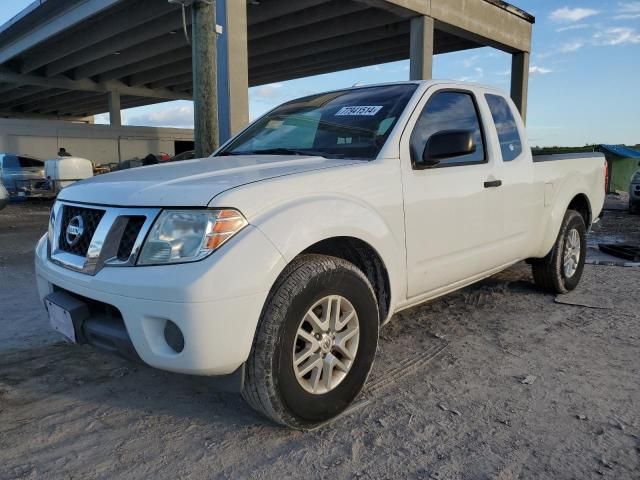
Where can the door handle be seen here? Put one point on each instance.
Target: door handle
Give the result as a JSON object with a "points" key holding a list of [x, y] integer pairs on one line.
{"points": [[493, 184]]}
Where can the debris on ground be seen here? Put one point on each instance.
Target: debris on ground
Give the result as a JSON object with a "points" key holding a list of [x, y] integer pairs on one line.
{"points": [[528, 380]]}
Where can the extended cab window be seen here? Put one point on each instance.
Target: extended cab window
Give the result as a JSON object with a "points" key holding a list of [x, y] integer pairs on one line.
{"points": [[510, 142], [26, 162], [351, 124], [449, 110]]}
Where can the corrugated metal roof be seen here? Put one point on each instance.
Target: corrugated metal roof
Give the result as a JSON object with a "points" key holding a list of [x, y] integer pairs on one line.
{"points": [[621, 151]]}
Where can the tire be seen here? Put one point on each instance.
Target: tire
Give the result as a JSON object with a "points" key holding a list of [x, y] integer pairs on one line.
{"points": [[634, 208], [549, 273], [272, 385]]}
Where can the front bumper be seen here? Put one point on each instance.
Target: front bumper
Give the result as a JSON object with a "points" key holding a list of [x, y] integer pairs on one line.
{"points": [[216, 303]]}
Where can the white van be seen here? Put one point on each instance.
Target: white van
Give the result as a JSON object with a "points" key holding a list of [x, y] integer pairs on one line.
{"points": [[61, 172]]}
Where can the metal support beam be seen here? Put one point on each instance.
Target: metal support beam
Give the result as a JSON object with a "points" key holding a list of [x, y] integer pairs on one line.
{"points": [[421, 48], [520, 81], [233, 68], [115, 117], [205, 96]]}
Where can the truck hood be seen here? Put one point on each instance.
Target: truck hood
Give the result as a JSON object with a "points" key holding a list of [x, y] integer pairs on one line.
{"points": [[191, 183]]}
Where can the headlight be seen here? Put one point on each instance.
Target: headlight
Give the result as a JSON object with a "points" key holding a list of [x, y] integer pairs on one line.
{"points": [[179, 236]]}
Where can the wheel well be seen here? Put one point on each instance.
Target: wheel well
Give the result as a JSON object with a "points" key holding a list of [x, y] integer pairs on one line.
{"points": [[580, 204], [363, 256]]}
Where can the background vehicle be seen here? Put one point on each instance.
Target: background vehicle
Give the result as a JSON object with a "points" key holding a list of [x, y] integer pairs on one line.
{"points": [[274, 264], [21, 175], [4, 197], [61, 172], [634, 193], [188, 155]]}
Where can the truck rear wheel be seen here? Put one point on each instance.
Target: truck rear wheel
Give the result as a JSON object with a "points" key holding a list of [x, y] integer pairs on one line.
{"points": [[315, 343], [560, 271]]}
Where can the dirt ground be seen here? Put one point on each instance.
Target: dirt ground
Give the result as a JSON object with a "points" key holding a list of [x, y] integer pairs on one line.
{"points": [[497, 381]]}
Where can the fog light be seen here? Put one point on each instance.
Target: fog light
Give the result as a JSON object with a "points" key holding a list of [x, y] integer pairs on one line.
{"points": [[173, 336]]}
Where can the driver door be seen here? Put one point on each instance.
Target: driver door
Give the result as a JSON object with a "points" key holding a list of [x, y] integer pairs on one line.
{"points": [[452, 218]]}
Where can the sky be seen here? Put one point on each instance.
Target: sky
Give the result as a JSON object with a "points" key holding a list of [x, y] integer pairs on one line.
{"points": [[584, 85]]}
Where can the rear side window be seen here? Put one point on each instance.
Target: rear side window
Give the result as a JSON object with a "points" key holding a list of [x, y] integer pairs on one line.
{"points": [[449, 110], [510, 141]]}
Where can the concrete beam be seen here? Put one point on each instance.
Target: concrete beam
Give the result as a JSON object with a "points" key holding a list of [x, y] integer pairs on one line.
{"points": [[520, 82], [43, 94], [168, 70], [397, 45], [19, 93], [59, 101], [115, 118], [86, 85], [421, 48], [116, 23], [353, 23], [40, 116], [325, 11], [109, 50], [268, 11], [157, 61], [70, 17], [360, 61], [336, 44], [484, 21], [233, 63], [138, 53]]}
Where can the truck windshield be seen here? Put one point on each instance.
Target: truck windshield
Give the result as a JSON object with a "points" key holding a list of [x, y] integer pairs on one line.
{"points": [[352, 124]]}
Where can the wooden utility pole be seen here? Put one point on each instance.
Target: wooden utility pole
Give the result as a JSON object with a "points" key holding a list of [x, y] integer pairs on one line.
{"points": [[205, 84]]}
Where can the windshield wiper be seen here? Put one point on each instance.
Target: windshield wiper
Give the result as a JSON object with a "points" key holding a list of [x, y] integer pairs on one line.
{"points": [[285, 151]]}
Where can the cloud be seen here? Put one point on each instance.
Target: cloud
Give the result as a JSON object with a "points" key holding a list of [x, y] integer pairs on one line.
{"points": [[267, 91], [628, 10], [617, 36], [571, 47], [536, 70], [578, 26], [567, 14], [176, 117], [469, 62]]}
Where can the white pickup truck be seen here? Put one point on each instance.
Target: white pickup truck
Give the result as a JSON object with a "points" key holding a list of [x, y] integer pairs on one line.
{"points": [[273, 263]]}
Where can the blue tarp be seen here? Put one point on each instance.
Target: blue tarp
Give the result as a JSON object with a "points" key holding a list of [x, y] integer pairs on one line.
{"points": [[621, 151]]}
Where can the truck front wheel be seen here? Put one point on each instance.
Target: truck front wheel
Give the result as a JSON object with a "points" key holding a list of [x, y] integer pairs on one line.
{"points": [[315, 343], [560, 271]]}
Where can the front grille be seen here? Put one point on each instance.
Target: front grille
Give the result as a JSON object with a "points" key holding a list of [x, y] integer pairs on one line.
{"points": [[113, 232], [129, 237], [91, 218]]}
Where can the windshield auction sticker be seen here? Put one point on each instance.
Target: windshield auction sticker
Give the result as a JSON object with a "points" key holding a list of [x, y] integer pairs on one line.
{"points": [[365, 110]]}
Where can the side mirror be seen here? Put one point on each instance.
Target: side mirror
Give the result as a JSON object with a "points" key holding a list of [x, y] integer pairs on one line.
{"points": [[447, 144]]}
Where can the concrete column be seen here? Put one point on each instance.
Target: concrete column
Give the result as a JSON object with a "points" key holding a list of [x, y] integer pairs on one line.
{"points": [[233, 67], [205, 95], [421, 48], [115, 118], [520, 81]]}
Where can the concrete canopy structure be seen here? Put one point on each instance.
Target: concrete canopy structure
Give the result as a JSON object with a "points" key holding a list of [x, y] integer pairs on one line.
{"points": [[74, 58]]}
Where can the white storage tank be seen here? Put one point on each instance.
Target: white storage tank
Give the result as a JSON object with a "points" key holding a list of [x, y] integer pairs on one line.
{"points": [[61, 172]]}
